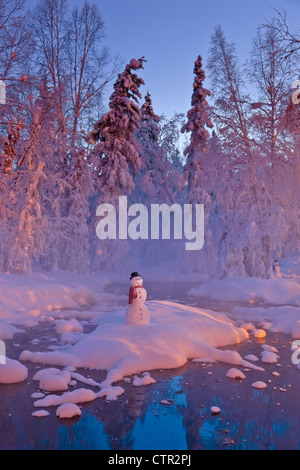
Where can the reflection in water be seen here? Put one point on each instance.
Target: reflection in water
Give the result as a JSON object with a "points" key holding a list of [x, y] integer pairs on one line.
{"points": [[87, 434], [249, 418]]}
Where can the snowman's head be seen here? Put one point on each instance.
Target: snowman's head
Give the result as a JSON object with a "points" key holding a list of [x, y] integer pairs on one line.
{"points": [[136, 281]]}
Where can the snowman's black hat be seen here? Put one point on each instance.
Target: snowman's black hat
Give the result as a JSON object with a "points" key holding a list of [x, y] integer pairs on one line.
{"points": [[135, 274]]}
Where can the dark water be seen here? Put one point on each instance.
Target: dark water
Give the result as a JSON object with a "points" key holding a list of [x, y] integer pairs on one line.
{"points": [[249, 418]]}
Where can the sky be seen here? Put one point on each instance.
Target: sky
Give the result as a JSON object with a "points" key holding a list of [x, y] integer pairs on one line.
{"points": [[170, 34]]}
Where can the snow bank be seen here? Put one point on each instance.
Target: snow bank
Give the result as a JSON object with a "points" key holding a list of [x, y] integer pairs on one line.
{"points": [[12, 372], [33, 295], [272, 291], [284, 319], [176, 333]]}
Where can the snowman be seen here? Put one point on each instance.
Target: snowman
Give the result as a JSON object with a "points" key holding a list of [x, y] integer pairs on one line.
{"points": [[276, 269], [137, 313]]}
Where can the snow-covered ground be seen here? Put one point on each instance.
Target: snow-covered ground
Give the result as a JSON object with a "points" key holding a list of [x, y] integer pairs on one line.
{"points": [[92, 334], [279, 299]]}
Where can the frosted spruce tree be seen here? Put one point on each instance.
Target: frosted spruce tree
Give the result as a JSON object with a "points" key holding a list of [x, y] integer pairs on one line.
{"points": [[151, 182], [198, 124], [115, 157], [75, 255]]}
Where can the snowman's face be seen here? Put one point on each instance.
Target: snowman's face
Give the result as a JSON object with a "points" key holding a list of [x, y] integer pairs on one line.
{"points": [[136, 281]]}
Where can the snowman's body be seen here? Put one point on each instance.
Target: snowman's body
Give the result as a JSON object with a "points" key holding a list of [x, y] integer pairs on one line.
{"points": [[137, 313]]}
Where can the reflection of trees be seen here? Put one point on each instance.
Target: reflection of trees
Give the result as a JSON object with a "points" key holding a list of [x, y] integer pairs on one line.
{"points": [[120, 418], [18, 429], [102, 425], [249, 417], [105, 425]]}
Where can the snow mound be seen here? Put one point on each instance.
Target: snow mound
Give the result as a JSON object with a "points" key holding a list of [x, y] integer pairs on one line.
{"points": [[215, 410], [269, 357], [145, 380], [259, 334], [68, 326], [55, 382], [81, 395], [234, 373], [40, 413], [248, 326], [266, 347], [111, 393], [68, 410], [12, 372], [52, 379], [49, 370], [295, 330], [70, 338], [259, 384], [176, 333], [251, 357], [37, 395]]}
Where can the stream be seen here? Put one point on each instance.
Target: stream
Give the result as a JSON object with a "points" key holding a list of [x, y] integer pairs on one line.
{"points": [[175, 412]]}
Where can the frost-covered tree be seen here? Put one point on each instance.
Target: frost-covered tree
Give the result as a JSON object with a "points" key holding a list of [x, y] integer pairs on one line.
{"points": [[152, 182], [115, 157], [7, 158], [231, 107], [87, 66], [75, 253], [289, 41], [254, 227], [15, 40], [271, 76], [198, 123], [29, 243], [156, 180], [70, 52]]}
